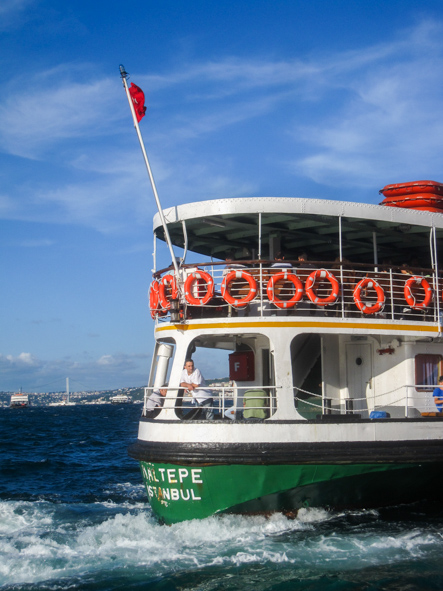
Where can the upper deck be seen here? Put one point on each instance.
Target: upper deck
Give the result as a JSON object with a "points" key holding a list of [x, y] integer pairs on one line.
{"points": [[368, 264]]}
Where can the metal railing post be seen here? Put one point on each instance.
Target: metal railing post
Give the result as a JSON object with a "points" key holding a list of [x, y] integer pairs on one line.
{"points": [[391, 285], [261, 288], [327, 407]]}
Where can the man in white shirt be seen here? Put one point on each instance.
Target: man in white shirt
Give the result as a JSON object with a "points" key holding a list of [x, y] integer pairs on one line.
{"points": [[156, 398], [191, 379], [155, 401]]}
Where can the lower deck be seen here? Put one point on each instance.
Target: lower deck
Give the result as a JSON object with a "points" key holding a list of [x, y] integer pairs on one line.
{"points": [[287, 371]]}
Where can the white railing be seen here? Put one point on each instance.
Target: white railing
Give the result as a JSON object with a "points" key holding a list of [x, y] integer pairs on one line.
{"points": [[406, 401], [307, 291], [233, 402], [260, 403]]}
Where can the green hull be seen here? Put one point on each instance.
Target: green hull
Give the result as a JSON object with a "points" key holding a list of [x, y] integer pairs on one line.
{"points": [[179, 492]]}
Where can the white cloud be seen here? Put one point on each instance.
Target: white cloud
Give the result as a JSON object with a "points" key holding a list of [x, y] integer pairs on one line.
{"points": [[24, 359], [7, 206], [109, 371], [114, 370], [232, 75], [8, 6], [51, 108], [11, 11], [374, 113], [105, 360], [350, 119], [389, 124], [118, 196], [36, 243]]}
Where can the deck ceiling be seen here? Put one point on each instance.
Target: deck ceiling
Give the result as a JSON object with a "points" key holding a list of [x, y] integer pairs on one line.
{"points": [[318, 235]]}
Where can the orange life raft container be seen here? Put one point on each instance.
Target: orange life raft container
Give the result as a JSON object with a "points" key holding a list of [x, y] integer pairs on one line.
{"points": [[414, 201], [412, 188], [419, 195]]}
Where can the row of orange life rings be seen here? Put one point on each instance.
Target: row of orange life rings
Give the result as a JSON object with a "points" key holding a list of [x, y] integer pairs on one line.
{"points": [[160, 301]]}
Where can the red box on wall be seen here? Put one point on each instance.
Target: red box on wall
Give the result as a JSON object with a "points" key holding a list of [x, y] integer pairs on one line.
{"points": [[241, 366]]}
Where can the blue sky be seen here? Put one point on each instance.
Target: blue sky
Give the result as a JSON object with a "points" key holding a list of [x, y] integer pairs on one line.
{"points": [[319, 98]]}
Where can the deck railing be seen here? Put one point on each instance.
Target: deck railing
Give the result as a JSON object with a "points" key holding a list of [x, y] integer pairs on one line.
{"points": [[318, 289], [260, 403], [404, 401], [230, 402]]}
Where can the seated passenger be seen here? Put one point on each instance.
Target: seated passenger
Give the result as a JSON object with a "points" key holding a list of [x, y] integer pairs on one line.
{"points": [[280, 262], [155, 401], [303, 261], [405, 269], [230, 264], [191, 379]]}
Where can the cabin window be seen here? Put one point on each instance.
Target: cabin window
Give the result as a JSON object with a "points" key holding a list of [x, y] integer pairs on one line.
{"points": [[427, 370], [239, 378]]}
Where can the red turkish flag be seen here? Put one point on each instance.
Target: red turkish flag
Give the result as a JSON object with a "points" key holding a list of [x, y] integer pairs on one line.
{"points": [[138, 100]]}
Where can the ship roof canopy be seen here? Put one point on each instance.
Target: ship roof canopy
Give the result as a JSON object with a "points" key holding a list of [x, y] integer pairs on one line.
{"points": [[303, 225]]}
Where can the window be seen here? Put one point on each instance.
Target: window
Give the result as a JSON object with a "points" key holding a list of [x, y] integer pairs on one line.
{"points": [[427, 370], [239, 375]]}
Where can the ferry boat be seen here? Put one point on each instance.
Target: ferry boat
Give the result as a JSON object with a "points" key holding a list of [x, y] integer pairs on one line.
{"points": [[121, 399], [19, 400], [332, 358]]}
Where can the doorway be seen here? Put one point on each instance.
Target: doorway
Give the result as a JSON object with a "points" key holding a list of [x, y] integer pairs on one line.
{"points": [[358, 376]]}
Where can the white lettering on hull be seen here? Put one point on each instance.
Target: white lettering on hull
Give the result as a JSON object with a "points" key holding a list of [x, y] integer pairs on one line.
{"points": [[157, 481]]}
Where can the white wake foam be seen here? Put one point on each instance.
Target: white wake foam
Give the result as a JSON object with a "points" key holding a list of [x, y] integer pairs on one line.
{"points": [[43, 541]]}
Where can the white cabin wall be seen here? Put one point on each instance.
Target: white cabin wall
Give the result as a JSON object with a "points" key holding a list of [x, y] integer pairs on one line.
{"points": [[331, 368], [363, 394], [391, 373], [283, 377], [344, 393]]}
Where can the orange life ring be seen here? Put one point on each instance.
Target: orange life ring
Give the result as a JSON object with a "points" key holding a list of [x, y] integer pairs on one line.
{"points": [[153, 298], [166, 280], [379, 304], [409, 297], [230, 277], [285, 276], [310, 282], [189, 283]]}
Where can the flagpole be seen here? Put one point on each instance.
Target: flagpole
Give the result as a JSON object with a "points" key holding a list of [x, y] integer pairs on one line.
{"points": [[124, 75]]}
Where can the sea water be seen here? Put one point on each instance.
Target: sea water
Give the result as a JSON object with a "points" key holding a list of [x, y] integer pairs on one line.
{"points": [[74, 515]]}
